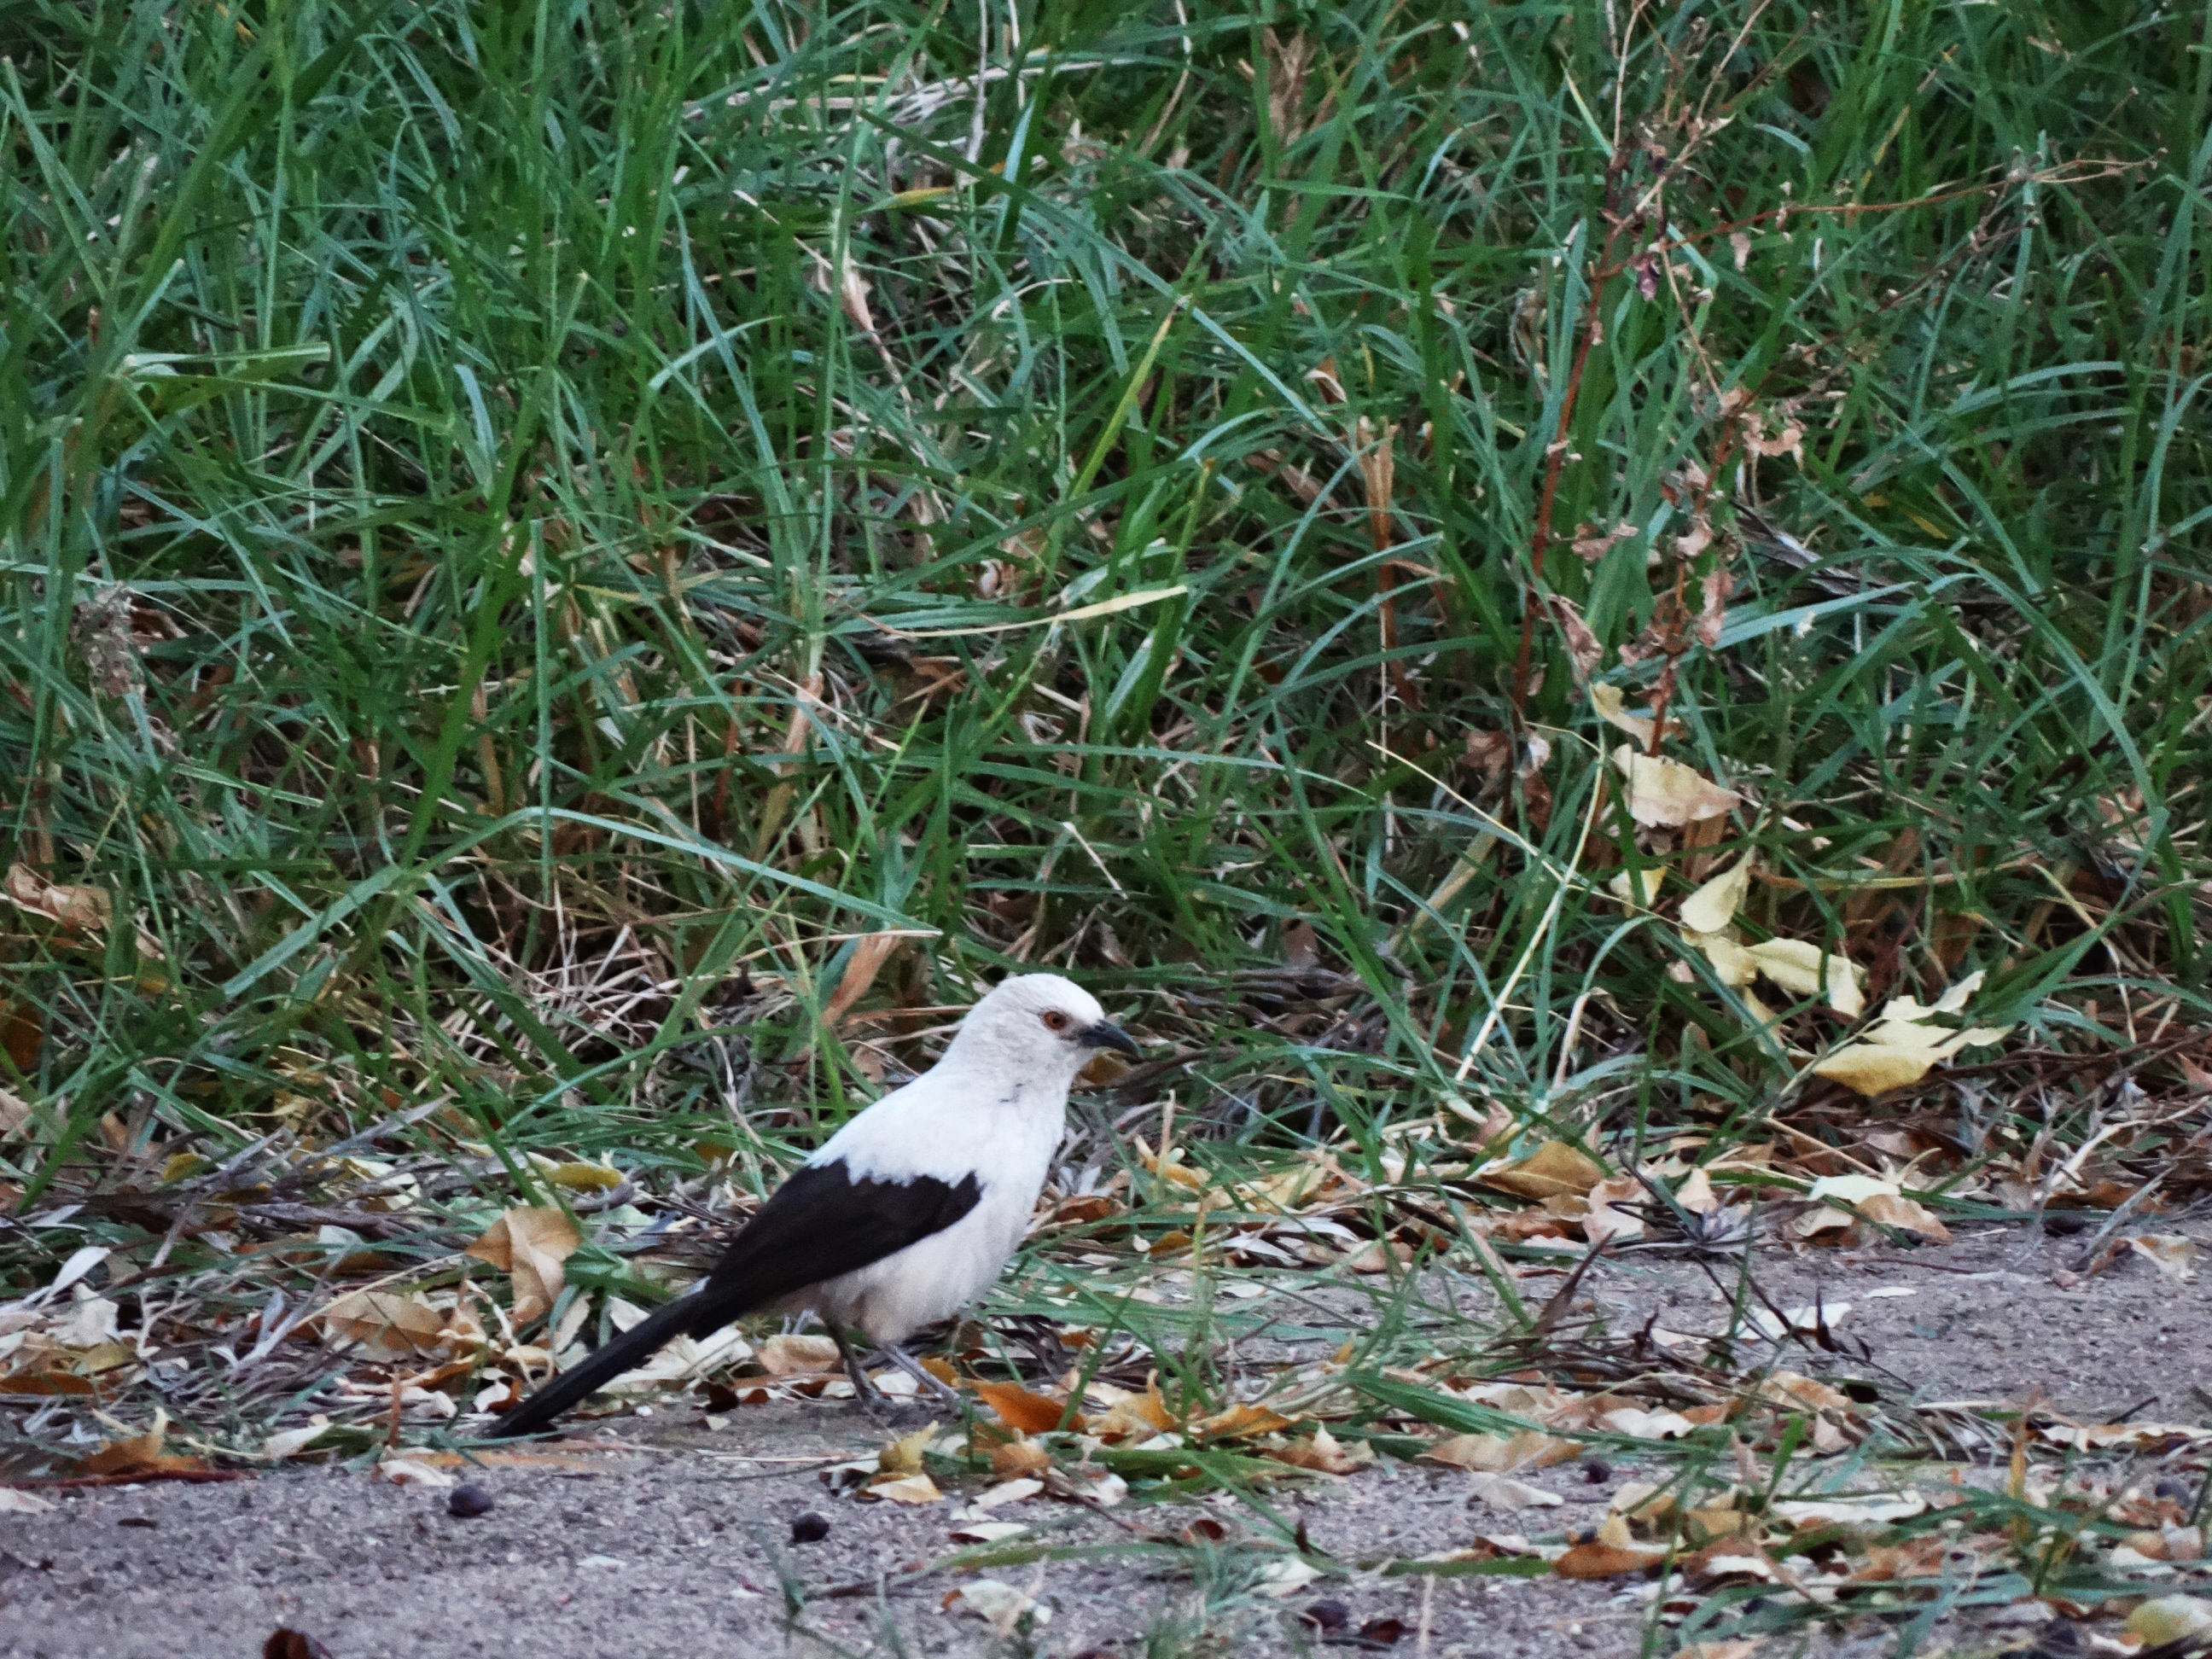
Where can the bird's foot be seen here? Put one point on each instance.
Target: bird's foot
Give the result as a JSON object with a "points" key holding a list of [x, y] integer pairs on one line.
{"points": [[889, 1413]]}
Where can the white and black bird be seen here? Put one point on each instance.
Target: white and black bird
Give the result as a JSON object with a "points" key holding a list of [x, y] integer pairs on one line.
{"points": [[905, 1215]]}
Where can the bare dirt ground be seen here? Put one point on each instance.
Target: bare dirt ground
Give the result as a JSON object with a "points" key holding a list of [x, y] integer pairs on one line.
{"points": [[664, 1537]]}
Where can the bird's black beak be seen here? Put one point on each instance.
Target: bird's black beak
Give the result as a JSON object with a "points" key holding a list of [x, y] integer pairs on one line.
{"points": [[1107, 1035]]}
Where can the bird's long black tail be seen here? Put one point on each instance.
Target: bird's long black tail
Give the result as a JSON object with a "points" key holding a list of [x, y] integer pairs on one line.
{"points": [[625, 1353]]}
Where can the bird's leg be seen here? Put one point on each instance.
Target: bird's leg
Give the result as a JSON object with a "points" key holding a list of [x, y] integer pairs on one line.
{"points": [[922, 1374], [863, 1386], [872, 1398]]}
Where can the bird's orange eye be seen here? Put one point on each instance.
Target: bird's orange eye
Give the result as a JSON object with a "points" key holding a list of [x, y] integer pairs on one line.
{"points": [[1054, 1020]]}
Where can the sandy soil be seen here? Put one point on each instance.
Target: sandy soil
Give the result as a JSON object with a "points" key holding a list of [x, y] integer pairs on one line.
{"points": [[671, 1538]]}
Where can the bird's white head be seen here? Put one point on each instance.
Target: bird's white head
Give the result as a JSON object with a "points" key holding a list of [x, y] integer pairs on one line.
{"points": [[1040, 1025]]}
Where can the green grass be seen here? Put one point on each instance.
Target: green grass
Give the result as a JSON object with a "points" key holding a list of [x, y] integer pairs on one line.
{"points": [[592, 491]]}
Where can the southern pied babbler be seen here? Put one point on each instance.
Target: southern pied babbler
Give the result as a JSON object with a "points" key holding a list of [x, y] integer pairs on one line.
{"points": [[905, 1215]]}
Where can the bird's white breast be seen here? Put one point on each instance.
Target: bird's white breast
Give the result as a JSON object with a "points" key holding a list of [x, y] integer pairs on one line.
{"points": [[1004, 1136]]}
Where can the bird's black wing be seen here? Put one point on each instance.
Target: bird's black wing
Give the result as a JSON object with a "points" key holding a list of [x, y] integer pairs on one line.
{"points": [[823, 1223], [818, 1224]]}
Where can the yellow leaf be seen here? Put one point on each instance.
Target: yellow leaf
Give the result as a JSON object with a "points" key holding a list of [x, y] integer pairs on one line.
{"points": [[1661, 792], [530, 1245], [1639, 889], [584, 1177], [1612, 708], [903, 1455], [1714, 905], [1807, 970], [1901, 1047], [1873, 1068], [1732, 963], [1552, 1170], [2170, 1619]]}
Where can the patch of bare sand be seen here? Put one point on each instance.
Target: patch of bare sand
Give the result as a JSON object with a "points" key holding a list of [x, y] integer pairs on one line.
{"points": [[682, 1546]]}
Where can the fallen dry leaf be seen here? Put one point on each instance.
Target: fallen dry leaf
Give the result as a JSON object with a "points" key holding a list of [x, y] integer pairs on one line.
{"points": [[1497, 1454], [530, 1245], [2170, 1619], [584, 1177], [999, 1605], [1637, 889], [383, 1325], [291, 1443], [1731, 1561], [902, 1455], [140, 1454], [1868, 1509], [1502, 1492], [906, 1489], [1019, 1409], [1902, 1046], [1789, 1389], [1322, 1453], [1594, 1560], [1805, 970], [1605, 1221], [1714, 905], [1552, 1170], [1695, 1194], [1240, 1422], [1018, 1458], [15, 1112], [797, 1356], [1135, 1417], [1279, 1579], [1894, 1209], [407, 1468], [1640, 1425], [83, 910], [2172, 1254], [870, 953], [1378, 1255], [1613, 708], [1665, 793]]}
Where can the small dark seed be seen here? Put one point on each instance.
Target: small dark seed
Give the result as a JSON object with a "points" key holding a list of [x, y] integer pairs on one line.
{"points": [[808, 1529], [1594, 1471], [137, 1521], [1327, 1616], [468, 1500], [2063, 1222], [1382, 1632]]}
